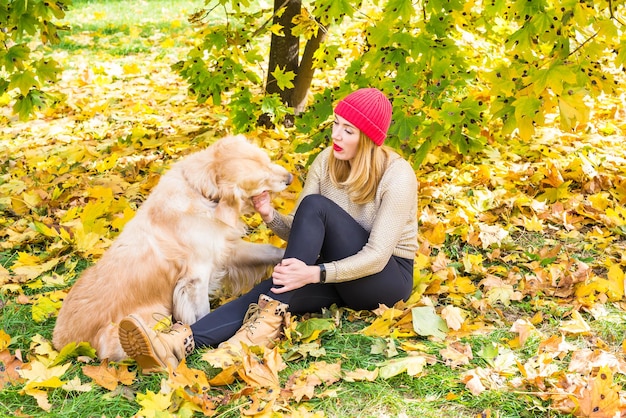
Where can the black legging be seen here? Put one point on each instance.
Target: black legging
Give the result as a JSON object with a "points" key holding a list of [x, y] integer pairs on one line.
{"points": [[321, 232]]}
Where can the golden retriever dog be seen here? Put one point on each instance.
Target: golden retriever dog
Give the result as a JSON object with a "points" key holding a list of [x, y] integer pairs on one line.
{"points": [[183, 244]]}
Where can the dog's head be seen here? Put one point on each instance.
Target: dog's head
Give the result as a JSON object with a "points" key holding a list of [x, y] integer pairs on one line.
{"points": [[231, 171]]}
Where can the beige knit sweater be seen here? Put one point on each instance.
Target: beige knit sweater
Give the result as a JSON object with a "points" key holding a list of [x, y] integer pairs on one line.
{"points": [[391, 218]]}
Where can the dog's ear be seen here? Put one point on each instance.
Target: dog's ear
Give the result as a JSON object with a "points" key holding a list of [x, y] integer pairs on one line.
{"points": [[228, 208]]}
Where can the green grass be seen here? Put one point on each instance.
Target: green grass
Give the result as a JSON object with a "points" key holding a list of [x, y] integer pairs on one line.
{"points": [[125, 28]]}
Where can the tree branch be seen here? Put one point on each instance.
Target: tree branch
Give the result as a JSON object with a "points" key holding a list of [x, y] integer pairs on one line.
{"points": [[612, 14]]}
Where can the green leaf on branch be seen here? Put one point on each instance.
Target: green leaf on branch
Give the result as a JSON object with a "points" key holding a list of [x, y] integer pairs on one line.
{"points": [[15, 57], [24, 81], [284, 79], [403, 9], [527, 109], [47, 70], [25, 106]]}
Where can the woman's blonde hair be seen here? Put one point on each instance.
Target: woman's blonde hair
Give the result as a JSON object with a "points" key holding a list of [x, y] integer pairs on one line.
{"points": [[361, 175]]}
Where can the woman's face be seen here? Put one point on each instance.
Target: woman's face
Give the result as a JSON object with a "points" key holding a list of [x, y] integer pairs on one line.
{"points": [[345, 139]]}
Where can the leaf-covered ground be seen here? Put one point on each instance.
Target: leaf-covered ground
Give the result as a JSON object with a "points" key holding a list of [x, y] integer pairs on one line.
{"points": [[518, 307]]}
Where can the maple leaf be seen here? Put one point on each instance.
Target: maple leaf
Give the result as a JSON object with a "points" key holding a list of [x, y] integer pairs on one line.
{"points": [[524, 329], [261, 403], [616, 281], [30, 266], [283, 79], [584, 361], [302, 383], [261, 372], [601, 398], [385, 347], [75, 385], [413, 364], [74, 350], [108, 376], [382, 325], [555, 194], [358, 375], [435, 233], [453, 316], [5, 340], [39, 377], [24, 81], [10, 367], [313, 328], [491, 234], [46, 307], [473, 382], [456, 354], [576, 325], [426, 322], [153, 404], [187, 377], [499, 291]]}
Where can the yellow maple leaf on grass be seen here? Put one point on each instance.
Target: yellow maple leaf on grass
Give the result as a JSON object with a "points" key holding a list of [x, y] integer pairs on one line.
{"points": [[497, 290], [47, 305], [186, 377], [382, 325], [153, 404], [453, 316], [524, 329], [5, 340], [491, 235], [261, 371], [39, 378], [30, 266], [456, 354], [359, 375], [108, 376], [302, 383], [601, 397], [577, 325], [412, 365]]}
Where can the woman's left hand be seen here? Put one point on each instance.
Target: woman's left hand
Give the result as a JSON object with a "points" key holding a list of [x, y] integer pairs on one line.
{"points": [[291, 274]]}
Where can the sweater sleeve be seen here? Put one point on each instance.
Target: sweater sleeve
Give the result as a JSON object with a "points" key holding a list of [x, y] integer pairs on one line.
{"points": [[281, 223], [398, 208]]}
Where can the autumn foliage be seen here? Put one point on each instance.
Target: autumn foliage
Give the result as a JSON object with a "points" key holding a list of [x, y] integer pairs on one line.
{"points": [[519, 279]]}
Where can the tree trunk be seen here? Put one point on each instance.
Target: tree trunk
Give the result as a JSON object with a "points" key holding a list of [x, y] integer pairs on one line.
{"points": [[304, 76], [284, 50]]}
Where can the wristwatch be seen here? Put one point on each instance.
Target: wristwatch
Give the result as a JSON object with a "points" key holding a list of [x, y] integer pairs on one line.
{"points": [[322, 273]]}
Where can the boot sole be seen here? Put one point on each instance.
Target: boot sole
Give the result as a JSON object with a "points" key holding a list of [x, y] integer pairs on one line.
{"points": [[135, 342]]}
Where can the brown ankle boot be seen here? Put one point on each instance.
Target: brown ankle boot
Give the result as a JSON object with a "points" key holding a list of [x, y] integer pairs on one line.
{"points": [[155, 350], [262, 325]]}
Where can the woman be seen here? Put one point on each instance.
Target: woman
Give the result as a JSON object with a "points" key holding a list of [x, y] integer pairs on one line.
{"points": [[351, 241]]}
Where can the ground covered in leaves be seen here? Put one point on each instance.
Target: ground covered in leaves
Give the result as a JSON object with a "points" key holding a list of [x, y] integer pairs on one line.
{"points": [[518, 308]]}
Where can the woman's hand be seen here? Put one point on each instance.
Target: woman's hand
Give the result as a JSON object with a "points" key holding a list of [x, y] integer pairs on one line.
{"points": [[291, 274], [263, 204]]}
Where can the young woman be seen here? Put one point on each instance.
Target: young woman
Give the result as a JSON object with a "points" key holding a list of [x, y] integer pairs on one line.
{"points": [[351, 241]]}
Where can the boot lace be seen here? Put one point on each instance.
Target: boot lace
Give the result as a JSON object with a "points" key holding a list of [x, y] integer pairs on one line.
{"points": [[252, 316], [164, 323]]}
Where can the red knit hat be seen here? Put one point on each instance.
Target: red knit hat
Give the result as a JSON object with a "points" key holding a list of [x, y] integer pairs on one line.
{"points": [[369, 110]]}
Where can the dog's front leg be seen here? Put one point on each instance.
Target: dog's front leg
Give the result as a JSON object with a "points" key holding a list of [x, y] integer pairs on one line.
{"points": [[191, 299], [253, 254]]}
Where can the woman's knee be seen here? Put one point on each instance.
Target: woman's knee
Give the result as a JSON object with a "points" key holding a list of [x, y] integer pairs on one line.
{"points": [[314, 203]]}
